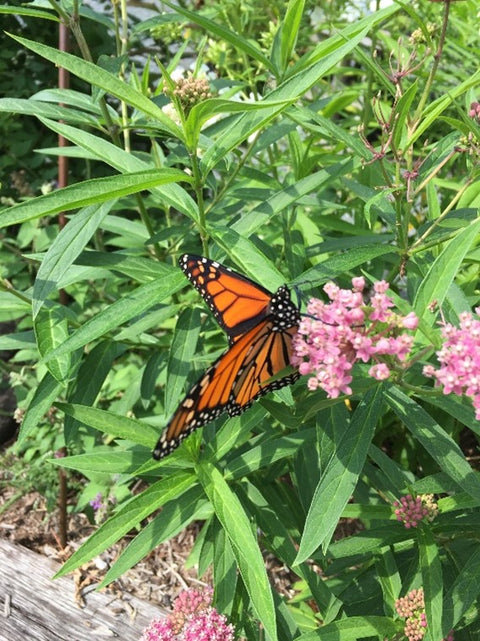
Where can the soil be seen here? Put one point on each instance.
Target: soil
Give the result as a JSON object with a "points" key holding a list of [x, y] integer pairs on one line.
{"points": [[158, 578]]}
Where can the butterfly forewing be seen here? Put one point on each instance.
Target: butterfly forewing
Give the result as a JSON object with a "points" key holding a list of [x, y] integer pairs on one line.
{"points": [[237, 303]]}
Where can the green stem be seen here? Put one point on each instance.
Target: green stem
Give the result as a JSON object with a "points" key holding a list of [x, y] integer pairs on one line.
{"points": [[433, 71], [148, 224], [446, 211], [8, 287], [198, 187]]}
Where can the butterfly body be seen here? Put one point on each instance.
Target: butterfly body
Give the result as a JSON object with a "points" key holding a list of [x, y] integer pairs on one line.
{"points": [[260, 327]]}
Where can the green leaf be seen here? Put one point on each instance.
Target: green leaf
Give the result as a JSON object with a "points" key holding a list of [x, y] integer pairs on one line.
{"points": [[17, 340], [64, 250], [108, 462], [247, 255], [202, 111], [333, 267], [268, 517], [181, 355], [127, 428], [223, 33], [136, 267], [17, 10], [32, 107], [124, 162], [128, 517], [435, 285], [353, 629], [88, 382], [98, 77], [155, 363], [236, 524], [285, 198], [368, 541], [341, 474], [88, 192], [432, 582], [402, 111], [242, 127], [433, 109], [120, 311], [390, 579], [224, 571], [47, 391], [267, 453], [351, 32], [51, 330], [174, 517], [286, 36], [441, 447], [463, 593]]}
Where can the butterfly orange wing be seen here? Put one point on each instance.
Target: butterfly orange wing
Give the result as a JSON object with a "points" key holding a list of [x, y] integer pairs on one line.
{"points": [[237, 303]]}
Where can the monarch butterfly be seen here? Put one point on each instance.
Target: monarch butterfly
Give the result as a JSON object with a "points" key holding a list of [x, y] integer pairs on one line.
{"points": [[260, 327]]}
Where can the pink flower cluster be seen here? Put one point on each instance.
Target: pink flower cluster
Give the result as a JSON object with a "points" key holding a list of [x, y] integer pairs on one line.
{"points": [[459, 358], [334, 335], [412, 608], [412, 510], [193, 619]]}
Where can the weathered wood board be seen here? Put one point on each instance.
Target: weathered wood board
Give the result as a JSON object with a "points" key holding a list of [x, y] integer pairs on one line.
{"points": [[34, 607]]}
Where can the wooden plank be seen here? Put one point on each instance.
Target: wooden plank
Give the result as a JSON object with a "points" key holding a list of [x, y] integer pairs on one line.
{"points": [[34, 607]]}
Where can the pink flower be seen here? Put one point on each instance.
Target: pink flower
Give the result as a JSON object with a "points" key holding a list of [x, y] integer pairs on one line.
{"points": [[379, 372], [335, 335], [208, 626], [159, 630], [192, 619], [459, 371]]}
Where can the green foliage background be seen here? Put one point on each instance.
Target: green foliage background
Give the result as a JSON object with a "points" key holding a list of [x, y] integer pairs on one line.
{"points": [[337, 141]]}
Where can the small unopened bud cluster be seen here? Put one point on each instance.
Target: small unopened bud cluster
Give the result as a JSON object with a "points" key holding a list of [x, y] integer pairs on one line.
{"points": [[474, 111], [412, 608], [193, 619], [190, 91], [411, 510], [418, 36]]}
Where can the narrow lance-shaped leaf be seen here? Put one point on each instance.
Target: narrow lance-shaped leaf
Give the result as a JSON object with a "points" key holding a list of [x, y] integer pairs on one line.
{"points": [[51, 330], [125, 162], [89, 192], [174, 517], [129, 516], [108, 82], [432, 582], [236, 524], [340, 476], [441, 447], [181, 355], [47, 391], [111, 423], [64, 250], [434, 286], [120, 311]]}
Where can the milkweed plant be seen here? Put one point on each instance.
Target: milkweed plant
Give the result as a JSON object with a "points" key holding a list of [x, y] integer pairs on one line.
{"points": [[331, 147]]}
